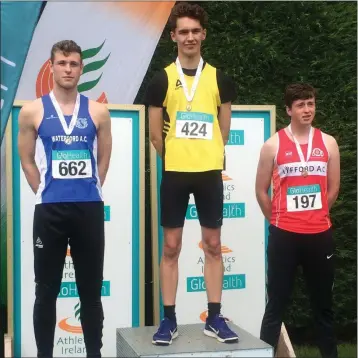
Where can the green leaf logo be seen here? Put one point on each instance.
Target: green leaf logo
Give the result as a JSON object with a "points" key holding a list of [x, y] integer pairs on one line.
{"points": [[77, 311], [92, 51], [92, 66]]}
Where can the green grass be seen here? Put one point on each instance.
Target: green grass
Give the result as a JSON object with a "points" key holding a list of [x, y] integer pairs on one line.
{"points": [[344, 351]]}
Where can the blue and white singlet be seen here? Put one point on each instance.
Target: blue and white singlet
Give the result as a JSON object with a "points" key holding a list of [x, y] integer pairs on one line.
{"points": [[66, 154]]}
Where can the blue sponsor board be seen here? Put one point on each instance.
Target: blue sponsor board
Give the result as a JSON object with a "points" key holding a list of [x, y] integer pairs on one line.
{"points": [[230, 282], [230, 211], [69, 289], [236, 137]]}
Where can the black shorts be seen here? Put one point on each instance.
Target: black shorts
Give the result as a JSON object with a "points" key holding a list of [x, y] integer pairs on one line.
{"points": [[207, 188]]}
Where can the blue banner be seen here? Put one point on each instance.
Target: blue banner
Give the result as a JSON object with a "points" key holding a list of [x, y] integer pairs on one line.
{"points": [[18, 22]]}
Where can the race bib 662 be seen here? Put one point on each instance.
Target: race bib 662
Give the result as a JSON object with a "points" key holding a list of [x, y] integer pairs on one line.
{"points": [[71, 164]]}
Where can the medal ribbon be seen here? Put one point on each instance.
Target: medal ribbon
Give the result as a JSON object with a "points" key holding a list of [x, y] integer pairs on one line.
{"points": [[190, 96], [298, 147], [68, 129]]}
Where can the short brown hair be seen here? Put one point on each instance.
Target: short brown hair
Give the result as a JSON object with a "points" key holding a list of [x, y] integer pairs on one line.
{"points": [[297, 91], [65, 46], [184, 9]]}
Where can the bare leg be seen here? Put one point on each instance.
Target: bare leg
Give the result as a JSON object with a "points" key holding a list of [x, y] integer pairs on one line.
{"points": [[169, 264], [213, 268]]}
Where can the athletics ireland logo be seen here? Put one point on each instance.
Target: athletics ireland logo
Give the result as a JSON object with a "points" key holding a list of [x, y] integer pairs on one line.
{"points": [[72, 324], [44, 82]]}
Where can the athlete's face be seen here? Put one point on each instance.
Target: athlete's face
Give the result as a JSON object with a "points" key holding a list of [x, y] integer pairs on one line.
{"points": [[188, 35], [302, 111], [67, 69]]}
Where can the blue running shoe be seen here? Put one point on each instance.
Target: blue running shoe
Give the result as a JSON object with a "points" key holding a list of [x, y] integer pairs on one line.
{"points": [[167, 331], [218, 328]]}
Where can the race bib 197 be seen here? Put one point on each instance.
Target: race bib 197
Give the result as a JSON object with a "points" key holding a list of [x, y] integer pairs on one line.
{"points": [[71, 164], [194, 125], [304, 198]]}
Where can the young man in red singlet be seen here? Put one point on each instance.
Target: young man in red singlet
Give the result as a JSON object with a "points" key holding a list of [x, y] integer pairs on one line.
{"points": [[304, 164]]}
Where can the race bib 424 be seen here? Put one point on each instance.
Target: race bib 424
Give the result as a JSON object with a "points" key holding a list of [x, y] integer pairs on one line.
{"points": [[194, 125]]}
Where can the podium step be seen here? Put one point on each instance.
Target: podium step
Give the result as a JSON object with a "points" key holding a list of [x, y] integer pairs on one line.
{"points": [[191, 342]]}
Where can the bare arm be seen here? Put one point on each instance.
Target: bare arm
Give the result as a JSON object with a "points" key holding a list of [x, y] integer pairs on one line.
{"points": [[264, 175], [333, 171], [156, 128], [225, 120], [27, 145], [104, 142]]}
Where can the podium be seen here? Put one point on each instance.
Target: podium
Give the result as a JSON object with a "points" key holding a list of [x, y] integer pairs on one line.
{"points": [[191, 342]]}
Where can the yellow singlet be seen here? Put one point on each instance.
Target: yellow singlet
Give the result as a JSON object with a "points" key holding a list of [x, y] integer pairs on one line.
{"points": [[192, 139]]}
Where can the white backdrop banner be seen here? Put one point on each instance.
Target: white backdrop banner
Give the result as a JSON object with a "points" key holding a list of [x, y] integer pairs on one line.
{"points": [[118, 40], [123, 284], [244, 231]]}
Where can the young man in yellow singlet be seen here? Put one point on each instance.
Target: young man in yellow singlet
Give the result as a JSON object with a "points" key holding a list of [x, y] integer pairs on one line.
{"points": [[189, 118]]}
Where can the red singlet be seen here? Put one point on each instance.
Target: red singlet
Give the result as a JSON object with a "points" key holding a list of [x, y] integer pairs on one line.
{"points": [[299, 202]]}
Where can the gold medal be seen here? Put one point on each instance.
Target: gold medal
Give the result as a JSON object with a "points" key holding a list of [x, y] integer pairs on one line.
{"points": [[188, 107], [305, 173], [68, 140]]}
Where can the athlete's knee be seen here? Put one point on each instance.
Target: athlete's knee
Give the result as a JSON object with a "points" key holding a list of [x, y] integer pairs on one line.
{"points": [[91, 290], [171, 251], [212, 243], [213, 251], [172, 244], [90, 303], [46, 292]]}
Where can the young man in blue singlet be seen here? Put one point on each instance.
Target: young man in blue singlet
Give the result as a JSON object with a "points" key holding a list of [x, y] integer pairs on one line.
{"points": [[65, 145]]}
